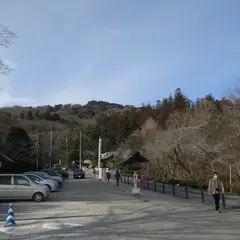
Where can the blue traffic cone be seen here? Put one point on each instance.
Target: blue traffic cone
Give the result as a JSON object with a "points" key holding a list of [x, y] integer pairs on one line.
{"points": [[10, 222]]}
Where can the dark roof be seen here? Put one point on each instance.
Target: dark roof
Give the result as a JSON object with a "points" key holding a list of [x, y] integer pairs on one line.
{"points": [[134, 157], [6, 157]]}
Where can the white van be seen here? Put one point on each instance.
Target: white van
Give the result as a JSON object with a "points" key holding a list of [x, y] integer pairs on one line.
{"points": [[19, 186]]}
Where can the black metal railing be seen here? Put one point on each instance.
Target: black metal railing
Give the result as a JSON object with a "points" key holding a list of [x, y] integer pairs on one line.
{"points": [[176, 190]]}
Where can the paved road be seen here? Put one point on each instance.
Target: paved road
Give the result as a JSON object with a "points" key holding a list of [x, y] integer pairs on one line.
{"points": [[193, 194], [88, 210]]}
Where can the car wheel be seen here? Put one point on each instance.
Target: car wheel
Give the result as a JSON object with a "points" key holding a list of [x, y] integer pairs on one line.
{"points": [[38, 197], [49, 187]]}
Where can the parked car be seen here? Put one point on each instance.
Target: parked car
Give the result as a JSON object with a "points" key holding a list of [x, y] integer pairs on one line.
{"points": [[44, 174], [53, 172], [19, 186], [51, 184], [63, 173], [78, 173]]}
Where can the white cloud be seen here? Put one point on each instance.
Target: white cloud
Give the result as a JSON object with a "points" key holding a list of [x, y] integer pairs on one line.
{"points": [[7, 100], [121, 88]]}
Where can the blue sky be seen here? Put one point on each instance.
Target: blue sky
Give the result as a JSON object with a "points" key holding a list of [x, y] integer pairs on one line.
{"points": [[129, 52]]}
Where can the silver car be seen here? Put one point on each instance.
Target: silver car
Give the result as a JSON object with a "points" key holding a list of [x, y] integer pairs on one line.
{"points": [[51, 184], [19, 186], [43, 174]]}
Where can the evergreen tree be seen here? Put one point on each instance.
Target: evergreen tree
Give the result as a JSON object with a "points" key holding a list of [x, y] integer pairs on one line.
{"points": [[180, 101], [30, 115], [18, 146]]}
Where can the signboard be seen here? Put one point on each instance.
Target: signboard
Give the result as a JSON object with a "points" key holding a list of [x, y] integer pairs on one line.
{"points": [[106, 155], [135, 166]]}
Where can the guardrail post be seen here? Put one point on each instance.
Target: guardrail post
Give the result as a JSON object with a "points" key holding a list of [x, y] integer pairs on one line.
{"points": [[173, 189], [155, 186], [163, 187], [124, 179], [147, 184], [186, 192], [128, 180], [223, 201], [202, 195]]}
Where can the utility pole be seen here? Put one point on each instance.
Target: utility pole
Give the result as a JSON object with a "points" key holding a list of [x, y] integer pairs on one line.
{"points": [[50, 150], [66, 153], [37, 152], [80, 150], [99, 158], [230, 178]]}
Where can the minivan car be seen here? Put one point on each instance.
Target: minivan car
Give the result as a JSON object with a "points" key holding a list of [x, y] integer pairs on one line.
{"points": [[19, 186], [78, 173]]}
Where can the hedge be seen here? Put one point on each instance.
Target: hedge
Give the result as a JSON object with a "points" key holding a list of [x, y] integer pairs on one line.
{"points": [[196, 184], [236, 188]]}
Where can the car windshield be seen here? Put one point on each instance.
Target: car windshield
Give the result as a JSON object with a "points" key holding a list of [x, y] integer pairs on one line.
{"points": [[52, 173], [42, 175], [36, 176]]}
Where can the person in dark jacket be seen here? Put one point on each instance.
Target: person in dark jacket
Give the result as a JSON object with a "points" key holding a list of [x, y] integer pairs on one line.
{"points": [[118, 177], [108, 175], [94, 173]]}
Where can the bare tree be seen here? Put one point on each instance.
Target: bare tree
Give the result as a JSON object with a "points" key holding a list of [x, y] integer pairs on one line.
{"points": [[6, 39]]}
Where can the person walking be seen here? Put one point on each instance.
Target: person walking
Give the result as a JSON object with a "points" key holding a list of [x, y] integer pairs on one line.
{"points": [[143, 181], [215, 188], [94, 173], [108, 175], [117, 177]]}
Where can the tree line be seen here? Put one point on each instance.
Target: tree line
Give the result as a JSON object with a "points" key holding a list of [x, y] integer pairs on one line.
{"points": [[188, 140]]}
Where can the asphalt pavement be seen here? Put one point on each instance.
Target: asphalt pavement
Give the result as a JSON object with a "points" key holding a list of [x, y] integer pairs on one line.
{"points": [[89, 209]]}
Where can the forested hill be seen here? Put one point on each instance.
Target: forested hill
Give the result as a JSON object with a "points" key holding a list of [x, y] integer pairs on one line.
{"points": [[180, 137]]}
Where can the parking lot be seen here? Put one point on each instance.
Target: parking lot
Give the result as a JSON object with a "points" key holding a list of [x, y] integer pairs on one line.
{"points": [[72, 212], [88, 209]]}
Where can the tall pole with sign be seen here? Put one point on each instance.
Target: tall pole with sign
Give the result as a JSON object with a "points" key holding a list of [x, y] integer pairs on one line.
{"points": [[99, 158], [80, 150], [50, 150]]}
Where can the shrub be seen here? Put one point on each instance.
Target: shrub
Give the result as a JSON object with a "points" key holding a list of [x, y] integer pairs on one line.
{"points": [[173, 181], [192, 183], [236, 188]]}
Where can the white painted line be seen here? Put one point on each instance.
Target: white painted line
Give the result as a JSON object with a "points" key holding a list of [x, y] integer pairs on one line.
{"points": [[44, 236], [73, 224], [68, 219], [5, 230], [53, 226], [43, 212], [10, 229], [56, 226], [42, 203]]}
